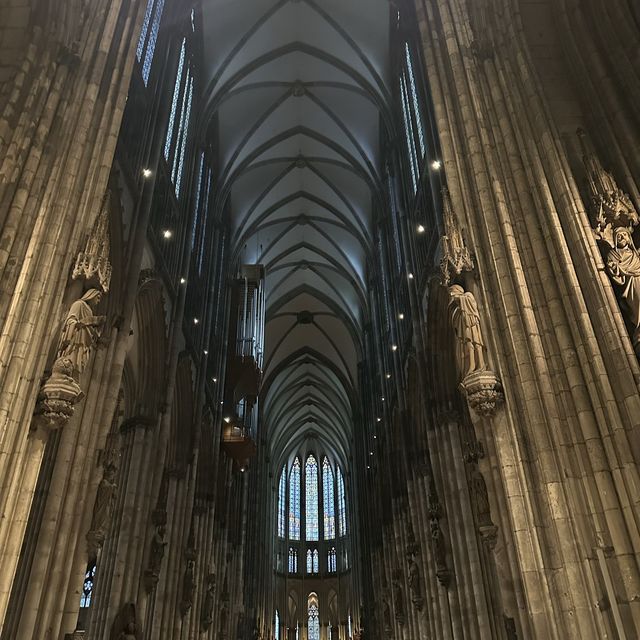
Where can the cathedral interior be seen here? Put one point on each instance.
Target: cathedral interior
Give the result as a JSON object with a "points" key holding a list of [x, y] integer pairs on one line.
{"points": [[319, 319]]}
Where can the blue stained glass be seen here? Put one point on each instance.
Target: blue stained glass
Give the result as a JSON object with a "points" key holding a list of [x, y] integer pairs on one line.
{"points": [[316, 561], [417, 112], [408, 130], [309, 561], [329, 501], [342, 505], [294, 501], [282, 503], [185, 135], [145, 27], [314, 623], [331, 560], [174, 101], [311, 496], [153, 38], [293, 560], [193, 20], [87, 587]]}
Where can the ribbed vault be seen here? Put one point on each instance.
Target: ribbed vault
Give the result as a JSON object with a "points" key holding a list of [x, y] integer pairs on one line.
{"points": [[298, 92]]}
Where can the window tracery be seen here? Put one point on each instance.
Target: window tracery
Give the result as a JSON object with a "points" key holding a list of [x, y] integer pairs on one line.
{"points": [[329, 501], [311, 498], [294, 501]]}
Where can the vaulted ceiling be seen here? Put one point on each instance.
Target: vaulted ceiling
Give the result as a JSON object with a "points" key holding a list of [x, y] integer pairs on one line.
{"points": [[298, 92]]}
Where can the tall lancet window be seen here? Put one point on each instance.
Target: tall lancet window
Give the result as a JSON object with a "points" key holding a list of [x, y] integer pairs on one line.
{"points": [[314, 622], [282, 503], [294, 501], [149, 36], [293, 560], [342, 505], [329, 501], [331, 560], [276, 623], [311, 496]]}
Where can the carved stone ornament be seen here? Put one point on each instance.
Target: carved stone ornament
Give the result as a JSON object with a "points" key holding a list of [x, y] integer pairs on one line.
{"points": [[156, 553], [614, 219], [58, 396], [437, 542], [188, 583], [483, 391], [414, 581], [456, 258], [102, 509], [93, 260]]}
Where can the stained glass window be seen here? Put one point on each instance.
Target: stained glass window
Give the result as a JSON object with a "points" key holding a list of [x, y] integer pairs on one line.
{"points": [[331, 560], [282, 503], [277, 626], [174, 101], [294, 501], [148, 37], [417, 112], [342, 506], [203, 234], [293, 560], [329, 501], [87, 586], [309, 561], [316, 561], [311, 497], [183, 134], [408, 131], [314, 622]]}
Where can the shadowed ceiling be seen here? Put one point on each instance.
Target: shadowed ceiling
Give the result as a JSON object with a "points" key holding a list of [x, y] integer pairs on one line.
{"points": [[298, 91]]}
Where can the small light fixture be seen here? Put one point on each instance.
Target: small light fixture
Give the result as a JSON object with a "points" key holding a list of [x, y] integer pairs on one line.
{"points": [[242, 469], [146, 173], [368, 467], [221, 401], [410, 276], [382, 398], [227, 419], [195, 321], [167, 233], [215, 379], [388, 376], [378, 419], [375, 437], [394, 347], [401, 316], [436, 164], [206, 353], [183, 280], [370, 453], [420, 228]]}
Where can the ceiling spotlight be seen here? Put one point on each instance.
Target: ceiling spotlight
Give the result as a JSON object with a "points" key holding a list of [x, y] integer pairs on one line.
{"points": [[368, 467], [401, 316], [215, 379], [375, 437], [378, 419], [182, 280], [167, 233], [370, 453], [227, 419], [394, 347], [206, 353], [146, 173], [221, 401], [382, 398], [388, 376], [420, 228], [242, 469], [410, 276], [195, 321], [436, 164]]}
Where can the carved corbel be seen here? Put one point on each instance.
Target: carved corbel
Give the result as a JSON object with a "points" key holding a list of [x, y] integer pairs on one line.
{"points": [[58, 396], [456, 258]]}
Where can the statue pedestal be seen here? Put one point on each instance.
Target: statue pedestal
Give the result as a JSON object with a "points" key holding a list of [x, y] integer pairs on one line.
{"points": [[483, 392], [58, 396]]}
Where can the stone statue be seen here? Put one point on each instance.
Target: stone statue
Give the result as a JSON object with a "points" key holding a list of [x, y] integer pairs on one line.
{"points": [[481, 498], [206, 616], [125, 625], [103, 508], [80, 331], [158, 544], [414, 580], [465, 321], [398, 598], [388, 625], [188, 586], [623, 264]]}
